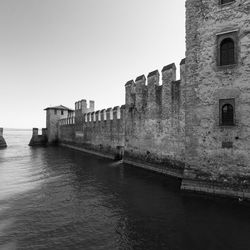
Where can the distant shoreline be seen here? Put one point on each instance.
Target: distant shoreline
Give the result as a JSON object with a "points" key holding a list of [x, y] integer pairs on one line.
{"points": [[17, 129]]}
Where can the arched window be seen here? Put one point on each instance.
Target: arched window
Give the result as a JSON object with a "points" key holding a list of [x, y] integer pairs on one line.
{"points": [[227, 52], [227, 115]]}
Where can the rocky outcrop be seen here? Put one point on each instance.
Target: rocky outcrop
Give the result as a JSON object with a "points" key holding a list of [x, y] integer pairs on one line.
{"points": [[3, 143]]}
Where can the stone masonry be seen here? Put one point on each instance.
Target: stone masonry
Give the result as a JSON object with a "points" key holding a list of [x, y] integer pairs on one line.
{"points": [[211, 166], [155, 122]]}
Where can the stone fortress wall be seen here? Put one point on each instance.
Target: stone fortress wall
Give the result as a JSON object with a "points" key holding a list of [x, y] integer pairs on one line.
{"points": [[148, 130], [217, 156], [176, 127], [155, 121], [101, 132]]}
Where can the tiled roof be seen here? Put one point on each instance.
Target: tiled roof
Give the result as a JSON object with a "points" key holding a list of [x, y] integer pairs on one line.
{"points": [[59, 107]]}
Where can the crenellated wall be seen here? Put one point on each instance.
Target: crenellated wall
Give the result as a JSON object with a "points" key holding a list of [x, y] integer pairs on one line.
{"points": [[175, 126], [148, 129], [99, 131], [39, 140], [155, 121]]}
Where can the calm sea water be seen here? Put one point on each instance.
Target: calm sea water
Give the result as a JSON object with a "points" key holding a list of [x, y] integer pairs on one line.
{"points": [[55, 198]]}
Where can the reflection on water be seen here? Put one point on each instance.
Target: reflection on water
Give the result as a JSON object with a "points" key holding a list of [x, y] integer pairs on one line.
{"points": [[55, 198]]}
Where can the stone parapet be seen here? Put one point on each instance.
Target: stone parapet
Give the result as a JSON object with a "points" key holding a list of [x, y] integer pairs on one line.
{"points": [[38, 140]]}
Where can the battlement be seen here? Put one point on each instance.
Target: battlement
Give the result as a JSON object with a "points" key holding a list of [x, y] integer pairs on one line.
{"points": [[67, 121], [145, 93], [152, 95], [110, 114], [38, 139], [153, 78], [81, 107], [35, 132]]}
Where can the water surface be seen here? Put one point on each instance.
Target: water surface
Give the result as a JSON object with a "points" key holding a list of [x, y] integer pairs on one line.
{"points": [[56, 198]]}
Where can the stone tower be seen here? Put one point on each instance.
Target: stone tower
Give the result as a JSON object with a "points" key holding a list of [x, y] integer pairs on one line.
{"points": [[53, 115], [217, 97]]}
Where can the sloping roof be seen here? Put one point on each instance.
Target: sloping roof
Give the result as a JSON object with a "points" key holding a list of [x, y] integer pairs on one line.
{"points": [[60, 107]]}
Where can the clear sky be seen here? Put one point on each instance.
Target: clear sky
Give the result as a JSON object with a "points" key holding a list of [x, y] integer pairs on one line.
{"points": [[56, 52]]}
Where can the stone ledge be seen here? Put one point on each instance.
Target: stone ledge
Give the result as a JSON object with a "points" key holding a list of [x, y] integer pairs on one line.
{"points": [[170, 172], [109, 156], [215, 189], [38, 140]]}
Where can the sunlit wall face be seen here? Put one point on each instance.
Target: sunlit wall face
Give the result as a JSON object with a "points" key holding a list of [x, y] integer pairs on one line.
{"points": [[57, 52]]}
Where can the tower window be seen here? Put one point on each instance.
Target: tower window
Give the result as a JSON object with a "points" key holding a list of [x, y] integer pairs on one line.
{"points": [[227, 49], [227, 111], [227, 117], [227, 52]]}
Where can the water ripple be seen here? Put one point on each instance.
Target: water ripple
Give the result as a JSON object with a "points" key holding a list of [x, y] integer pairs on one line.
{"points": [[54, 198]]}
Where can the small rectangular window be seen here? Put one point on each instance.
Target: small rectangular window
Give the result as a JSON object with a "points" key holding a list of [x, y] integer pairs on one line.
{"points": [[226, 1], [227, 112], [61, 112], [227, 144]]}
